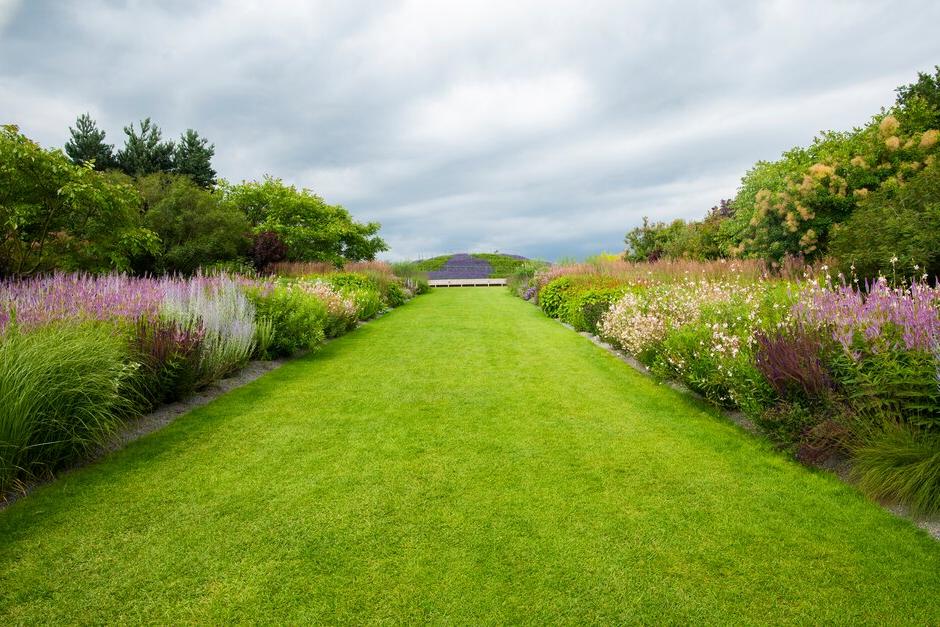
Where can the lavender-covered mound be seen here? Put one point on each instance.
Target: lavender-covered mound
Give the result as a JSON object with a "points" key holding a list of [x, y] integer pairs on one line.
{"points": [[463, 266]]}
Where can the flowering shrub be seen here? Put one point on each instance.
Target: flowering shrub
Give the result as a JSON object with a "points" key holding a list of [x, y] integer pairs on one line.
{"points": [[168, 353], [342, 309], [37, 301]]}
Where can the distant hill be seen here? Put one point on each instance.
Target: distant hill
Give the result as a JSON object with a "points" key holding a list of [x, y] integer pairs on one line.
{"points": [[470, 266]]}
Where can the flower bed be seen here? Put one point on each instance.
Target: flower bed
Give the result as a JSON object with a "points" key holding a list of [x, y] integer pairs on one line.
{"points": [[80, 354]]}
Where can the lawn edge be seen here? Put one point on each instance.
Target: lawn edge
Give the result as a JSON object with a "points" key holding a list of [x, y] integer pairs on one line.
{"points": [[929, 524], [164, 415]]}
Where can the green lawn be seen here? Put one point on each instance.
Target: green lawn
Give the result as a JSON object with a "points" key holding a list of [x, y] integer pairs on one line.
{"points": [[462, 460]]}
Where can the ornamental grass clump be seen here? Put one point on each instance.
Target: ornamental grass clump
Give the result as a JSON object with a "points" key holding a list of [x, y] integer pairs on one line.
{"points": [[220, 308], [900, 463], [60, 395]]}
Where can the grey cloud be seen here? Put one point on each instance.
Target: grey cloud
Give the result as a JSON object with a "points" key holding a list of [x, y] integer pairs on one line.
{"points": [[542, 128]]}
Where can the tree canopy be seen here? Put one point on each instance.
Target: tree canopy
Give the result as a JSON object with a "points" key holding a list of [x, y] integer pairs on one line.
{"points": [[144, 150], [58, 215], [193, 157], [796, 204], [87, 144], [311, 229]]}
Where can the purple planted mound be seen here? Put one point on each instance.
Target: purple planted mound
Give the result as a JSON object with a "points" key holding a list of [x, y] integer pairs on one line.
{"points": [[463, 266]]}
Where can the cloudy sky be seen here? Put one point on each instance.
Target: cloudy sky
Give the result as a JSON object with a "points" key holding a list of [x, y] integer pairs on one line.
{"points": [[541, 128]]}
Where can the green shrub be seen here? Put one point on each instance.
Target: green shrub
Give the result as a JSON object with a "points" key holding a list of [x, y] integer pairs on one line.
{"points": [[891, 385], [344, 281], [552, 296], [394, 295], [583, 308], [897, 222], [521, 278], [365, 290], [901, 463], [297, 320], [368, 303], [264, 337], [195, 228], [60, 396]]}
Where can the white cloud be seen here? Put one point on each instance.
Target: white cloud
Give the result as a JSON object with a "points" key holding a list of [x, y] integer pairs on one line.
{"points": [[8, 9], [543, 127], [474, 112]]}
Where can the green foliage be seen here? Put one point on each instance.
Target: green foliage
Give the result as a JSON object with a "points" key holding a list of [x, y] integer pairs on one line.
{"points": [[56, 215], [264, 337], [411, 472], [583, 308], [394, 295], [412, 276], [368, 303], [918, 104], [501, 265], [793, 206], [900, 463], [193, 158], [312, 229], [195, 228], [897, 222], [60, 396], [144, 150], [87, 144], [350, 281], [522, 277], [891, 386], [432, 264], [293, 320], [364, 289], [699, 240], [552, 297], [169, 362]]}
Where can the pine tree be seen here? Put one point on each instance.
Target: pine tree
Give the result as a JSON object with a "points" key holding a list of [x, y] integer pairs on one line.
{"points": [[87, 144], [193, 157], [144, 151]]}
